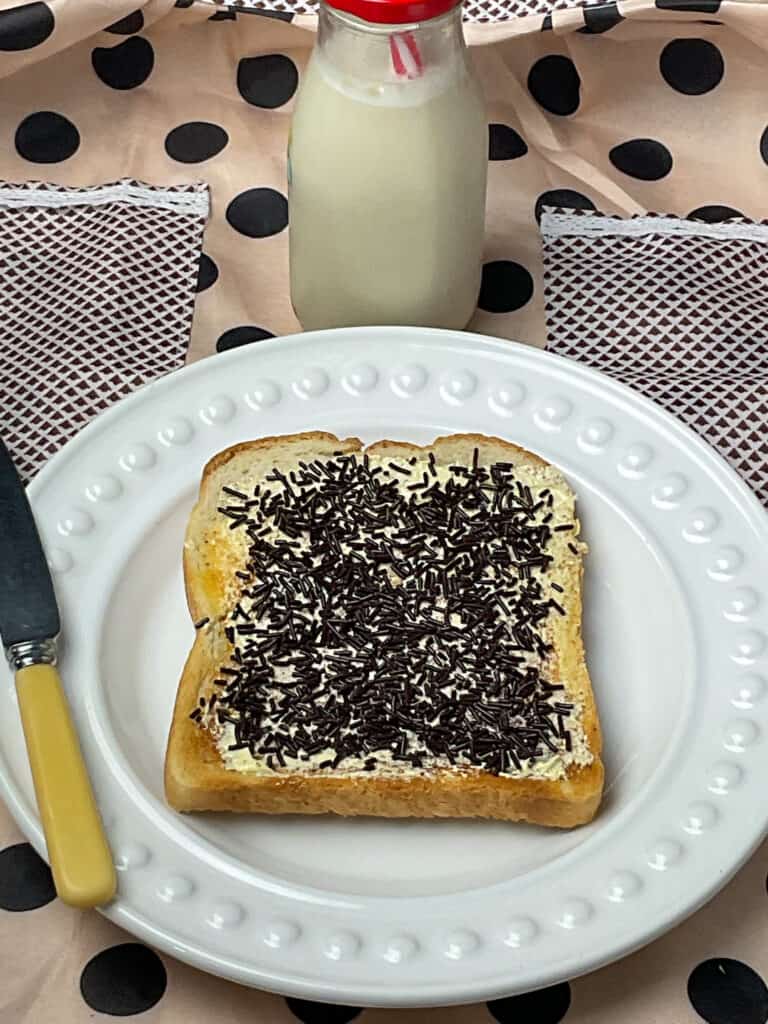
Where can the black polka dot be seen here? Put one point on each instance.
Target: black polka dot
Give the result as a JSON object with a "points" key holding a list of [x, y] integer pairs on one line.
{"points": [[207, 273], [321, 1013], [195, 141], [506, 286], [714, 214], [25, 879], [259, 212], [562, 197], [546, 25], [645, 159], [128, 25], [554, 83], [601, 18], [700, 6], [23, 27], [728, 992], [267, 81], [126, 65], [46, 138], [237, 336], [123, 980], [547, 1006], [691, 66], [764, 146], [504, 143], [223, 16]]}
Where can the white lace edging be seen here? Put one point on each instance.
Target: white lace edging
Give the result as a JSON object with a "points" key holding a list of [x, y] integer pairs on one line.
{"points": [[195, 202], [557, 225]]}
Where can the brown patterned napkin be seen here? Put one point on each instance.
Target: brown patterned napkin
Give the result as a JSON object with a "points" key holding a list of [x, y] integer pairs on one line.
{"points": [[98, 288], [678, 309]]}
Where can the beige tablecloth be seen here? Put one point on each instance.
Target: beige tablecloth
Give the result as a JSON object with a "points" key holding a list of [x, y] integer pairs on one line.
{"points": [[646, 107]]}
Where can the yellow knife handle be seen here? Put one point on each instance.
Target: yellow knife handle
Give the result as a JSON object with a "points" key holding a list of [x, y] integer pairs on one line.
{"points": [[80, 858]]}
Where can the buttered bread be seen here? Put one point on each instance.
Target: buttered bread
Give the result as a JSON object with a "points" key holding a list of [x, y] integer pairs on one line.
{"points": [[390, 630]]}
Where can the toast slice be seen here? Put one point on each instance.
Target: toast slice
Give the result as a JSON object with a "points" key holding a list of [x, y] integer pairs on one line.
{"points": [[431, 666]]}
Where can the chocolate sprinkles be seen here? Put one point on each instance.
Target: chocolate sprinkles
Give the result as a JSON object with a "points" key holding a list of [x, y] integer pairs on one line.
{"points": [[384, 620]]}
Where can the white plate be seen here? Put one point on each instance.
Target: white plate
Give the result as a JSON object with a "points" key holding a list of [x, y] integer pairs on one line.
{"points": [[378, 912]]}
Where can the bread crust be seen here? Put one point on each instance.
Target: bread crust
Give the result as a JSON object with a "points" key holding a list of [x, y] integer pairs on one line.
{"points": [[196, 778]]}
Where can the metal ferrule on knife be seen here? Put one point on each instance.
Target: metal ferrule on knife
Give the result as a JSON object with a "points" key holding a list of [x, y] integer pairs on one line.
{"points": [[32, 652]]}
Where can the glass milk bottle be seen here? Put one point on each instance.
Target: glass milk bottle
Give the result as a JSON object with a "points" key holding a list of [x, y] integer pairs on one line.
{"points": [[387, 169]]}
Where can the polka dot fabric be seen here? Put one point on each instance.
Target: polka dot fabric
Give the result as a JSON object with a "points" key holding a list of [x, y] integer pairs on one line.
{"points": [[622, 107], [555, 129]]}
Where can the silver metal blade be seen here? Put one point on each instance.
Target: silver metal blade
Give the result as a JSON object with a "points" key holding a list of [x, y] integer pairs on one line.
{"points": [[28, 610]]}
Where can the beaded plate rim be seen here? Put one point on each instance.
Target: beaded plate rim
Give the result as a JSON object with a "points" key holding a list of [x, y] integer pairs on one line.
{"points": [[196, 911]]}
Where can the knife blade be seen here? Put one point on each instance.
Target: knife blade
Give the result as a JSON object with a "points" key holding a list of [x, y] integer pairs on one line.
{"points": [[81, 862], [28, 609]]}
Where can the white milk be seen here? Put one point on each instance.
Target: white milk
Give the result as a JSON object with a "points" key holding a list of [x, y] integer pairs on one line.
{"points": [[387, 198]]}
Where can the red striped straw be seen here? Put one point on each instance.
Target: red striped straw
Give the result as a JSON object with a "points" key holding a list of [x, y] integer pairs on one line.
{"points": [[406, 58]]}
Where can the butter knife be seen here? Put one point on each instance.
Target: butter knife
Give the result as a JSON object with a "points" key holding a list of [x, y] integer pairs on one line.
{"points": [[80, 858]]}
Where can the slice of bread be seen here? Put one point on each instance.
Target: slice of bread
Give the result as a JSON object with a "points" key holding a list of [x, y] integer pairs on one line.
{"points": [[423, 771]]}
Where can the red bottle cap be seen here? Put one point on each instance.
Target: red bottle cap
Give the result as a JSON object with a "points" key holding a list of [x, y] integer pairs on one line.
{"points": [[394, 12]]}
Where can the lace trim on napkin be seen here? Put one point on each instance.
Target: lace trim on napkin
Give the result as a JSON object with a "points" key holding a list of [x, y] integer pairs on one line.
{"points": [[193, 199], [588, 225]]}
